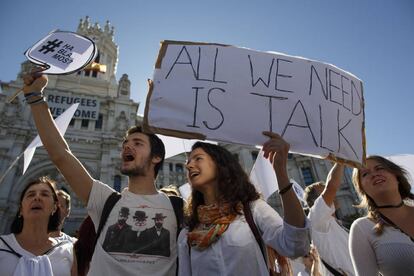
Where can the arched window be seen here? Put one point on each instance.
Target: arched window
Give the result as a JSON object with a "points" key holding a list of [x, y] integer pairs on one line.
{"points": [[179, 168], [307, 175]]}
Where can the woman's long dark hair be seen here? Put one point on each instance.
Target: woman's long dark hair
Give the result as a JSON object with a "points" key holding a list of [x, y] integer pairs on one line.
{"points": [[54, 220], [404, 188], [234, 185]]}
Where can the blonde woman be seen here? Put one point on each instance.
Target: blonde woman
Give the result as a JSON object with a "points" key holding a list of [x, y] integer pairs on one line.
{"points": [[383, 241]]}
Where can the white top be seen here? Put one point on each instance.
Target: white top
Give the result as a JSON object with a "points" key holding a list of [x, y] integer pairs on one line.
{"points": [[236, 252], [329, 238], [60, 260], [120, 249], [391, 253], [65, 237], [298, 267]]}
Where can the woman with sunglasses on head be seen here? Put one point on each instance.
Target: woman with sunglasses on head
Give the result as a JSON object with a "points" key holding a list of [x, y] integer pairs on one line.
{"points": [[383, 241], [219, 240], [29, 250]]}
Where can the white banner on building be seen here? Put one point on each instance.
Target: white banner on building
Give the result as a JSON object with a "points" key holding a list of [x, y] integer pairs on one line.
{"points": [[231, 94], [88, 107]]}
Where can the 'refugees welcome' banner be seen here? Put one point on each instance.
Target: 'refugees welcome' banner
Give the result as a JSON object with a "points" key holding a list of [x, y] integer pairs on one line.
{"points": [[230, 94]]}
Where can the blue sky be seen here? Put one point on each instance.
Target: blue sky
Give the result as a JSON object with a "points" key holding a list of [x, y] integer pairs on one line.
{"points": [[374, 40]]}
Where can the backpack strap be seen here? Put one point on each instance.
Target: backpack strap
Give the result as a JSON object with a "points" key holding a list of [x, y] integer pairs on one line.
{"points": [[109, 204], [178, 206], [12, 251], [331, 269]]}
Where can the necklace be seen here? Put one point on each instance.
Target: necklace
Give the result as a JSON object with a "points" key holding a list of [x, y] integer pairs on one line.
{"points": [[391, 206]]}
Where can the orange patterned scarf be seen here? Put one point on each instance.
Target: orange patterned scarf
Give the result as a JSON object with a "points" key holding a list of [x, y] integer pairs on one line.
{"points": [[214, 221]]}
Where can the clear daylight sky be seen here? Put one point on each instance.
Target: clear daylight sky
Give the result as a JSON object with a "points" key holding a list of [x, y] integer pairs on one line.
{"points": [[374, 40]]}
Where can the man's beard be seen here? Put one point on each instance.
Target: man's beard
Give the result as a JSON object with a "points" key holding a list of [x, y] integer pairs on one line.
{"points": [[158, 225], [138, 170]]}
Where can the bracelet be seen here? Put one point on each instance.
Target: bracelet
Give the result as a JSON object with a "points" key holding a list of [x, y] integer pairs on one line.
{"points": [[40, 100], [31, 94], [285, 189]]}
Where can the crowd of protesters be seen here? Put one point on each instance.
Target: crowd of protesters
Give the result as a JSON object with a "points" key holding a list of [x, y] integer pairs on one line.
{"points": [[225, 228]]}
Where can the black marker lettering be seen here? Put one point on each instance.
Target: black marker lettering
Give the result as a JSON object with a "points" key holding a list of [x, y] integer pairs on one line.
{"points": [[354, 91], [344, 92], [281, 75], [331, 98], [254, 83], [340, 134], [215, 69], [270, 107], [324, 91], [215, 107], [195, 107], [189, 62], [297, 125], [321, 130]]}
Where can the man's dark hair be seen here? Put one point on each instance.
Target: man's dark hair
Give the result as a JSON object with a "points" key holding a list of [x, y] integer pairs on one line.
{"points": [[65, 195], [156, 144], [311, 193]]}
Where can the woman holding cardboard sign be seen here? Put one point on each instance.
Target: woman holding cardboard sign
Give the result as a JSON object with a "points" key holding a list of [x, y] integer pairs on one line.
{"points": [[228, 224], [383, 241]]}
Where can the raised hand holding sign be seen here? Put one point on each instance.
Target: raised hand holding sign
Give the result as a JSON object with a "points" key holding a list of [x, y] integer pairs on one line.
{"points": [[61, 53]]}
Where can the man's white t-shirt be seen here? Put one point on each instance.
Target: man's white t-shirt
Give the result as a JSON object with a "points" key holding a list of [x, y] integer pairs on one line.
{"points": [[126, 248]]}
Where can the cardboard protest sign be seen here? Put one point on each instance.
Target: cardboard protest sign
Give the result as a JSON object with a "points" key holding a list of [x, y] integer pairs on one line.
{"points": [[62, 52], [231, 94]]}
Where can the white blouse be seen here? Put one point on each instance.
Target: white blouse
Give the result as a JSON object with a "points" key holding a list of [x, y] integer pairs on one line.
{"points": [[59, 260], [236, 252], [391, 253]]}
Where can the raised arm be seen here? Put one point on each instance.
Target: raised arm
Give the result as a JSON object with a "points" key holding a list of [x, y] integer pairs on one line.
{"points": [[333, 181], [57, 148], [276, 150]]}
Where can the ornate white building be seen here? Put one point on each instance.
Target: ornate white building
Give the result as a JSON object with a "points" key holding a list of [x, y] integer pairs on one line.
{"points": [[106, 111]]}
